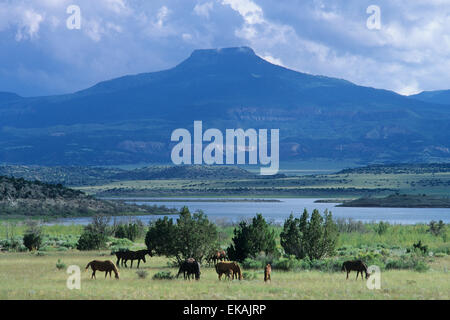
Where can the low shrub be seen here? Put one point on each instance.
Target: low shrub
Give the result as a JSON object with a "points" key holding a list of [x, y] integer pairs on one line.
{"points": [[60, 265], [142, 274], [163, 275]]}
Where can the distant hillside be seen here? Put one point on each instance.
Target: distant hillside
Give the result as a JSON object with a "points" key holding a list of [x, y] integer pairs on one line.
{"points": [[185, 172], [84, 176], [19, 197], [440, 96], [68, 175], [400, 201], [400, 168]]}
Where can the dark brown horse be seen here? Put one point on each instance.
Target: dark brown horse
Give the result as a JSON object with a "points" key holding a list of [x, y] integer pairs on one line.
{"points": [[105, 266], [190, 267], [267, 271], [356, 265], [132, 255]]}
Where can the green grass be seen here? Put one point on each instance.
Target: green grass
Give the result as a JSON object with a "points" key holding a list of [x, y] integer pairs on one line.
{"points": [[27, 276], [345, 185]]}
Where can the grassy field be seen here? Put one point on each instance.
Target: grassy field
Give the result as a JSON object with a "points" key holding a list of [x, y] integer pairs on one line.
{"points": [[345, 185], [28, 276]]}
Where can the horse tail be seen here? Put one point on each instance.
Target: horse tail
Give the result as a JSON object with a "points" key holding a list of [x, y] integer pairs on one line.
{"points": [[88, 265]]}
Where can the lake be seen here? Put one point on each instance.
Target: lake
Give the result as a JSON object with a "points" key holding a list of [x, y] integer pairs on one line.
{"points": [[280, 208]]}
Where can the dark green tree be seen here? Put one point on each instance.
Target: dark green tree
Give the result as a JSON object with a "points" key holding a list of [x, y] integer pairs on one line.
{"points": [[193, 236], [313, 239], [291, 237], [250, 240]]}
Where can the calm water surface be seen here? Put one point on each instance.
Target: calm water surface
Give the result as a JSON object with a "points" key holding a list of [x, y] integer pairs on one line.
{"points": [[277, 212]]}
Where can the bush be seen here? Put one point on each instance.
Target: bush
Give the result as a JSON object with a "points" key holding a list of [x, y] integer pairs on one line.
{"points": [[288, 264], [60, 265], [91, 241], [250, 263], [118, 245], [131, 231], [95, 235], [14, 244], [142, 274], [32, 238], [408, 261], [163, 275], [249, 275], [381, 228]]}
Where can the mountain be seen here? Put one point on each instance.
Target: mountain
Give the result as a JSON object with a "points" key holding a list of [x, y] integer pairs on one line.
{"points": [[9, 96], [130, 119], [439, 96]]}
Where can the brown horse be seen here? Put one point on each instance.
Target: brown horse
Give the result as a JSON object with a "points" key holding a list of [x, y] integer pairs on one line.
{"points": [[217, 256], [267, 271], [106, 266], [190, 267], [356, 265], [231, 269], [224, 268]]}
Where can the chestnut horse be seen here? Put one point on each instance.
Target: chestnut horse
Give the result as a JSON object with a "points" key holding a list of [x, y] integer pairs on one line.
{"points": [[220, 255], [267, 271], [105, 266], [231, 269]]}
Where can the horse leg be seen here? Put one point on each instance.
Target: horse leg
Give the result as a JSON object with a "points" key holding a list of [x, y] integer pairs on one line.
{"points": [[357, 273], [131, 264], [139, 262], [347, 274]]}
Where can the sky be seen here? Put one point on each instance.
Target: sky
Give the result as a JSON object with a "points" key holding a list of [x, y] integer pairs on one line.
{"points": [[401, 45]]}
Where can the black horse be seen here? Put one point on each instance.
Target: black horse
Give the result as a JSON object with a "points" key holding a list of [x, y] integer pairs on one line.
{"points": [[188, 267], [356, 265], [124, 256]]}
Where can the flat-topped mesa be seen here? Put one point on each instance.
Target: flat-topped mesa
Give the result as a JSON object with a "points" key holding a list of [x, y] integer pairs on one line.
{"points": [[226, 57]]}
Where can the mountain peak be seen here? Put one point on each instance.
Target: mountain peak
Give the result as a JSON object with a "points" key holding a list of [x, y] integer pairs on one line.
{"points": [[224, 57], [224, 51]]}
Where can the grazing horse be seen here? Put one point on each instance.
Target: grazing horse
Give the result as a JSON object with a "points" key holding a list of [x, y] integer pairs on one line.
{"points": [[217, 256], [190, 267], [106, 266], [356, 265], [236, 271], [132, 255], [231, 269], [267, 271]]}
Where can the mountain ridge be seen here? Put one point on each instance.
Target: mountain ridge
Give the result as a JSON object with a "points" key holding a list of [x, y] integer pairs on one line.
{"points": [[130, 119]]}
